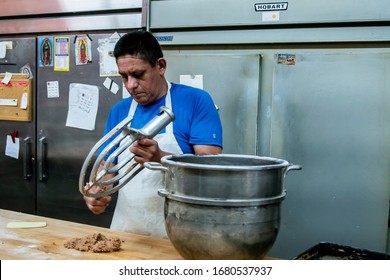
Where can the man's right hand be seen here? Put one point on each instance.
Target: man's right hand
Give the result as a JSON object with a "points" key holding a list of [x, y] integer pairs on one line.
{"points": [[97, 205]]}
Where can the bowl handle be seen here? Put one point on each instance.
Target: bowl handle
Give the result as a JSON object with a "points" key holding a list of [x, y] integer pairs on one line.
{"points": [[157, 166], [292, 167], [163, 192]]}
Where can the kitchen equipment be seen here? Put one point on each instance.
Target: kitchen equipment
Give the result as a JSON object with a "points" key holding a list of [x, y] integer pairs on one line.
{"points": [[311, 102], [222, 206], [127, 168], [44, 179], [225, 176]]}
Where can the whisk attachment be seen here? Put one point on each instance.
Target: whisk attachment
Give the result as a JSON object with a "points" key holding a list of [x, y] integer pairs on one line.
{"points": [[107, 175]]}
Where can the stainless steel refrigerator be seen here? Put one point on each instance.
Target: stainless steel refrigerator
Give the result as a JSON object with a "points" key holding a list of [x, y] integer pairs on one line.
{"points": [[323, 104], [17, 188], [43, 180]]}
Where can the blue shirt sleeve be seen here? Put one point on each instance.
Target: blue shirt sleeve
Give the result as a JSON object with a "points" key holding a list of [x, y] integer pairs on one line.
{"points": [[197, 120]]}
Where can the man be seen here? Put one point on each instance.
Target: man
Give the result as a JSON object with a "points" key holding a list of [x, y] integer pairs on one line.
{"points": [[196, 129]]}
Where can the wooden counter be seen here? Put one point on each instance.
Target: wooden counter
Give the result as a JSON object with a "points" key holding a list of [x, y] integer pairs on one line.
{"points": [[48, 242]]}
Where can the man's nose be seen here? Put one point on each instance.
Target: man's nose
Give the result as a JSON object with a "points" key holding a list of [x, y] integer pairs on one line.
{"points": [[131, 83]]}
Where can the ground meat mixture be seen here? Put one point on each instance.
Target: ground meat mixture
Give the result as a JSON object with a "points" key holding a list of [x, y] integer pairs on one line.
{"points": [[97, 243]]}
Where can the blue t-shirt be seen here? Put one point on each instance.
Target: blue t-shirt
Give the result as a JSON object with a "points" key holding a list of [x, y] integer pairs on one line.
{"points": [[196, 121]]}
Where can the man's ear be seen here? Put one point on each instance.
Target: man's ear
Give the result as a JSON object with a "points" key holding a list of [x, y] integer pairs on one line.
{"points": [[161, 65]]}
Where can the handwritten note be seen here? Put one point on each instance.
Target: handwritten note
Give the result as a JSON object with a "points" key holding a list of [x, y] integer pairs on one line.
{"points": [[83, 106]]}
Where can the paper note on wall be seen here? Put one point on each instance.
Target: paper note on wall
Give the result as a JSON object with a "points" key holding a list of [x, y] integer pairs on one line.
{"points": [[52, 89], [7, 78], [3, 49], [107, 60], [24, 101], [83, 50], [61, 53], [11, 148], [83, 106], [111, 85], [125, 93]]}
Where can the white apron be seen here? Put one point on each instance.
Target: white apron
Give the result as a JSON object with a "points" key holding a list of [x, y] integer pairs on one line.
{"points": [[139, 208]]}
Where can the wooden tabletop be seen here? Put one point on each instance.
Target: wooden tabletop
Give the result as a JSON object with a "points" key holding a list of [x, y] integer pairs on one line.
{"points": [[48, 242]]}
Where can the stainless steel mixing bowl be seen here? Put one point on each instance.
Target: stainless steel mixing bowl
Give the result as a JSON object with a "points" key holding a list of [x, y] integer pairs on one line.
{"points": [[222, 206], [200, 230]]}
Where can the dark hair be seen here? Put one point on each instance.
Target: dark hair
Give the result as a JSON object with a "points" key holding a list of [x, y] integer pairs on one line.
{"points": [[141, 44]]}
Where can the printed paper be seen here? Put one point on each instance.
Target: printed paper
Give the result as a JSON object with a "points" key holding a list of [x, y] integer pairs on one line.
{"points": [[45, 52], [83, 50], [52, 89], [3, 49], [61, 53], [83, 106], [11, 148], [108, 65]]}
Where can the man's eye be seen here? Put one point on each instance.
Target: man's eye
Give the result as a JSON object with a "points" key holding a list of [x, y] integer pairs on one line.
{"points": [[138, 75]]}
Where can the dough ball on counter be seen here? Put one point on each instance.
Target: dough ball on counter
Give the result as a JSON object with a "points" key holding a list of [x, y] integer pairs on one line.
{"points": [[97, 243]]}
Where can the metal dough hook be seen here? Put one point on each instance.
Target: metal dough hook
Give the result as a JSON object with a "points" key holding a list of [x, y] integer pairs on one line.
{"points": [[125, 170]]}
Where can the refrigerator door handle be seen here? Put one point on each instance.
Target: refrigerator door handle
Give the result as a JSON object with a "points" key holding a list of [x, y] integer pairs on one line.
{"points": [[42, 159], [27, 167]]}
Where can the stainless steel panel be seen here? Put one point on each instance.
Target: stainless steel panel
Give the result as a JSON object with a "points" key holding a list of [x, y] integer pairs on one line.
{"points": [[17, 185], [66, 147], [38, 7], [272, 36], [117, 21], [227, 13], [330, 113], [233, 82]]}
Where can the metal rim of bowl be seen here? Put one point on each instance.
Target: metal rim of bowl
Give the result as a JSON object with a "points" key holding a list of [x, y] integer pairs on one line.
{"points": [[222, 202], [278, 163]]}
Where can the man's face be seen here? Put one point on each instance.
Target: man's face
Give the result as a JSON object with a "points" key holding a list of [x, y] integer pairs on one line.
{"points": [[144, 82]]}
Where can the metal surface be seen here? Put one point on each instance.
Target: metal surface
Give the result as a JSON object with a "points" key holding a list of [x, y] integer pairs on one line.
{"points": [[220, 233], [233, 82], [17, 189], [271, 36], [248, 13], [230, 202], [222, 206], [126, 168], [327, 112], [330, 113], [39, 7], [30, 16], [83, 23], [224, 177], [237, 22], [42, 181], [66, 147]]}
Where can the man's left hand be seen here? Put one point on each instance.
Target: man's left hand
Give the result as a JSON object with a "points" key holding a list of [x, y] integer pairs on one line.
{"points": [[147, 150]]}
